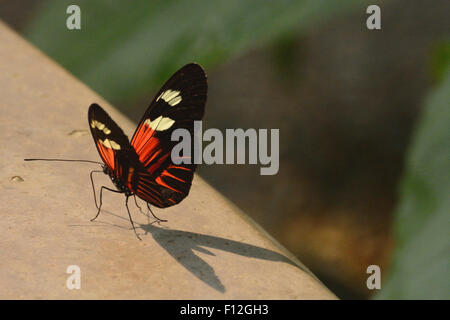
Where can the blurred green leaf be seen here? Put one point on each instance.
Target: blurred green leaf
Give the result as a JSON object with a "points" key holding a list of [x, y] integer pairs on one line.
{"points": [[440, 60], [126, 48], [420, 269]]}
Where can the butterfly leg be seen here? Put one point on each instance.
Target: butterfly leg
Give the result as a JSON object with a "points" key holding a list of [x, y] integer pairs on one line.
{"points": [[131, 220], [140, 209], [101, 195], [93, 187], [135, 201], [160, 220]]}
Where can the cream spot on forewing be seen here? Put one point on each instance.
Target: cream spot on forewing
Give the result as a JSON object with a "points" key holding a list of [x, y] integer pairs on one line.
{"points": [[106, 143], [172, 97], [165, 124], [100, 126], [114, 145], [160, 124], [175, 101], [110, 144]]}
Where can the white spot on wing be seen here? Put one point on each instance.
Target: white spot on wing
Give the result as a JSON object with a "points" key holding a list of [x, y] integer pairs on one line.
{"points": [[172, 97], [175, 101], [160, 124], [114, 145], [100, 126], [110, 144]]}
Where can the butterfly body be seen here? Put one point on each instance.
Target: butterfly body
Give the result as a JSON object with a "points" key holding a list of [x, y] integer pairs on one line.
{"points": [[117, 182], [143, 166]]}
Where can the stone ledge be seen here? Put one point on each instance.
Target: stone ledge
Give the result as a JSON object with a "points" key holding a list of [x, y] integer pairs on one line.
{"points": [[207, 250]]}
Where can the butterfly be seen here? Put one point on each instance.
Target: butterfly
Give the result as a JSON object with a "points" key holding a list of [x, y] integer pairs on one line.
{"points": [[143, 167]]}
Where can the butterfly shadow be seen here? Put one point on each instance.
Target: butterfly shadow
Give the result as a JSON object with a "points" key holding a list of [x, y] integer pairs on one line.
{"points": [[182, 244]]}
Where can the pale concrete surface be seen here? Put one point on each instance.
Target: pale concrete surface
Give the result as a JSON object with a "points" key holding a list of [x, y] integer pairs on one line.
{"points": [[207, 249]]}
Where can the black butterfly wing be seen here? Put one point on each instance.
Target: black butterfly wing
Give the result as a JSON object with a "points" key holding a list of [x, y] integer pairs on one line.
{"points": [[178, 104], [112, 145]]}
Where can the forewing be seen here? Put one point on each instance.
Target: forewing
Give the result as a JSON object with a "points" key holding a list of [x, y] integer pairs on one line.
{"points": [[178, 104], [112, 144]]}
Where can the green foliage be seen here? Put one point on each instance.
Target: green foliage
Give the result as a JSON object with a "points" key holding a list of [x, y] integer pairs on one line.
{"points": [[440, 60], [421, 268], [126, 48]]}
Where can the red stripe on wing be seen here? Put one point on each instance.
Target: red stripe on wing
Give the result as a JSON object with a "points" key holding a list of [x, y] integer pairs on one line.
{"points": [[106, 154]]}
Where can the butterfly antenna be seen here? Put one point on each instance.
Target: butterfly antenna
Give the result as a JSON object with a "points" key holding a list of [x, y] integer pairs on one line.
{"points": [[67, 160]]}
